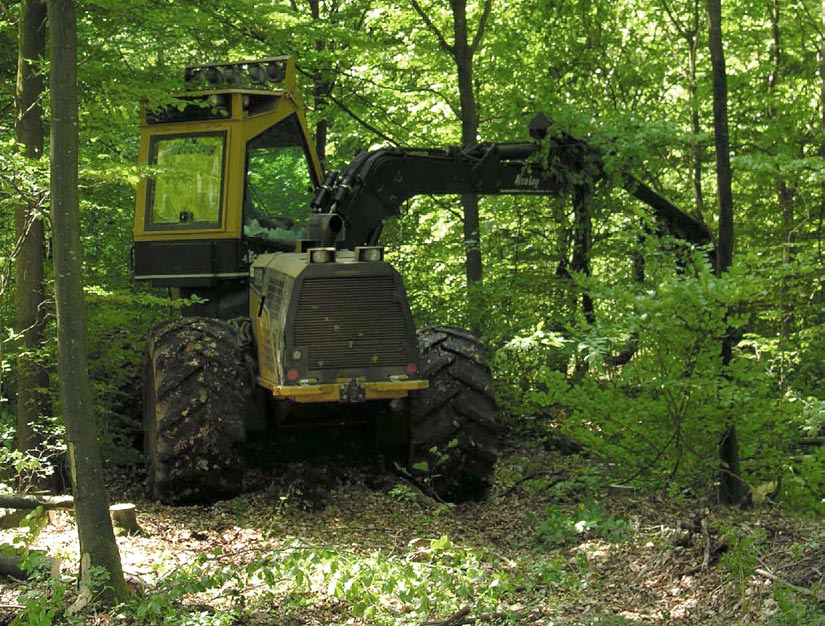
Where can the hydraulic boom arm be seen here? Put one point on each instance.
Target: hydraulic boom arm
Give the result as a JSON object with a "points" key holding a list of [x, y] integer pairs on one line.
{"points": [[351, 208]]}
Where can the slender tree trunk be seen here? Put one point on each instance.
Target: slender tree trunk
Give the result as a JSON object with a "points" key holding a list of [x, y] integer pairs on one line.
{"points": [[784, 192], [731, 487], [720, 128], [32, 378], [580, 262], [97, 540], [320, 91], [821, 125], [469, 138], [582, 244], [696, 128], [690, 30], [462, 51]]}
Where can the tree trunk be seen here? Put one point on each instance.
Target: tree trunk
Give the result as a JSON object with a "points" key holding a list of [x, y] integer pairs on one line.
{"points": [[821, 219], [32, 378], [785, 195], [582, 244], [463, 54], [97, 540], [580, 262], [320, 91], [462, 51], [696, 128], [731, 487], [720, 129]]}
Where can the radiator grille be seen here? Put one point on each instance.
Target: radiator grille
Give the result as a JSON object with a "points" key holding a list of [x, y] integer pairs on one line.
{"points": [[351, 322]]}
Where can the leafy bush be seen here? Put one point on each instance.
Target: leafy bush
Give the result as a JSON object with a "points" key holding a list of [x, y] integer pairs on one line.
{"points": [[660, 416], [588, 521]]}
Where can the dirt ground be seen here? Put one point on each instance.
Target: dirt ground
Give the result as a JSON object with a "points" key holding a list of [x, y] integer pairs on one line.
{"points": [[624, 558]]}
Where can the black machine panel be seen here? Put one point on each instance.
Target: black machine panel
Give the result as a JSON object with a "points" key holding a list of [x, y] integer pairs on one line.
{"points": [[190, 263]]}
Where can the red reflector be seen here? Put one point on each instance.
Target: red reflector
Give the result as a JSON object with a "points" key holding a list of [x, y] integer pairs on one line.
{"points": [[411, 368], [292, 375]]}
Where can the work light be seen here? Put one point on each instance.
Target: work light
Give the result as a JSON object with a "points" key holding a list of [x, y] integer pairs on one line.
{"points": [[369, 254], [321, 255]]}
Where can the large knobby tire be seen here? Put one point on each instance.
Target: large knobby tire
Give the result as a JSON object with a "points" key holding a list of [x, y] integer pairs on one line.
{"points": [[453, 427], [197, 394]]}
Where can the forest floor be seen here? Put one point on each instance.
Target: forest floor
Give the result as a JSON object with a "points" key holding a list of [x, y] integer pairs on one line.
{"points": [[322, 543]]}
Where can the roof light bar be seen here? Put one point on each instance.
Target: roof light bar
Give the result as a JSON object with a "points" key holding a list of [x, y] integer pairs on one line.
{"points": [[260, 74]]}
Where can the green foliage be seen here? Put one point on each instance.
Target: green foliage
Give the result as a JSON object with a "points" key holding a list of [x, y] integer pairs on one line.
{"points": [[45, 605], [804, 483], [742, 555], [47, 602], [22, 471], [795, 611], [436, 578], [660, 415], [561, 527], [118, 323]]}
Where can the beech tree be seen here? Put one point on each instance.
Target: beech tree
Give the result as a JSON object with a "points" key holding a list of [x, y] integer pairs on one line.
{"points": [[98, 547], [32, 378], [731, 489], [465, 43]]}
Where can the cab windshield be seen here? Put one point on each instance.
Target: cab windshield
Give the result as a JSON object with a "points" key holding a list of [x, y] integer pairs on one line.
{"points": [[279, 185]]}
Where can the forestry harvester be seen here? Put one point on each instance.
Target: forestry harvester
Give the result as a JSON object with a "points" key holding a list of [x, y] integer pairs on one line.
{"points": [[290, 303]]}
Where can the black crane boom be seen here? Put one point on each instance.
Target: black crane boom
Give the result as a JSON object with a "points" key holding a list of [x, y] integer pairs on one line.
{"points": [[350, 208]]}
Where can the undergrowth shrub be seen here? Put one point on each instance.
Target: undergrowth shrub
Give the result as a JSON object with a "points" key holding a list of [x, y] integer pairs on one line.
{"points": [[118, 323], [561, 527], [658, 418], [436, 577]]}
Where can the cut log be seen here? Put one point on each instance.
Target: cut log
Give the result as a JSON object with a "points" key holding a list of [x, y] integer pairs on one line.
{"points": [[12, 519], [15, 501], [124, 517], [11, 565]]}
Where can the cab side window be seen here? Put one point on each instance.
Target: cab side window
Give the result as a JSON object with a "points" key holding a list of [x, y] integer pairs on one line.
{"points": [[186, 190], [278, 183]]}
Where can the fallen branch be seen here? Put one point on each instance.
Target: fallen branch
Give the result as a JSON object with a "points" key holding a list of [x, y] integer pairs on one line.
{"points": [[456, 619], [803, 590], [463, 618], [123, 515], [561, 477]]}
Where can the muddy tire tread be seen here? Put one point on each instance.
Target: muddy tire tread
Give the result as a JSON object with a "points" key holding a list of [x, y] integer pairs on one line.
{"points": [[457, 407], [197, 392]]}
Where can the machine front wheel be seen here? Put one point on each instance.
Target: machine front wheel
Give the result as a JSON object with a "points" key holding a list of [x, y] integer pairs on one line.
{"points": [[197, 394], [453, 425]]}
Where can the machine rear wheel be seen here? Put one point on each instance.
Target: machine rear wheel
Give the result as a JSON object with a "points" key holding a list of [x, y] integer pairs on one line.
{"points": [[197, 394], [454, 432]]}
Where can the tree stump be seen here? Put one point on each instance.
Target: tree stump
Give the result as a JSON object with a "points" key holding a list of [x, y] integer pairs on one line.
{"points": [[124, 517]]}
